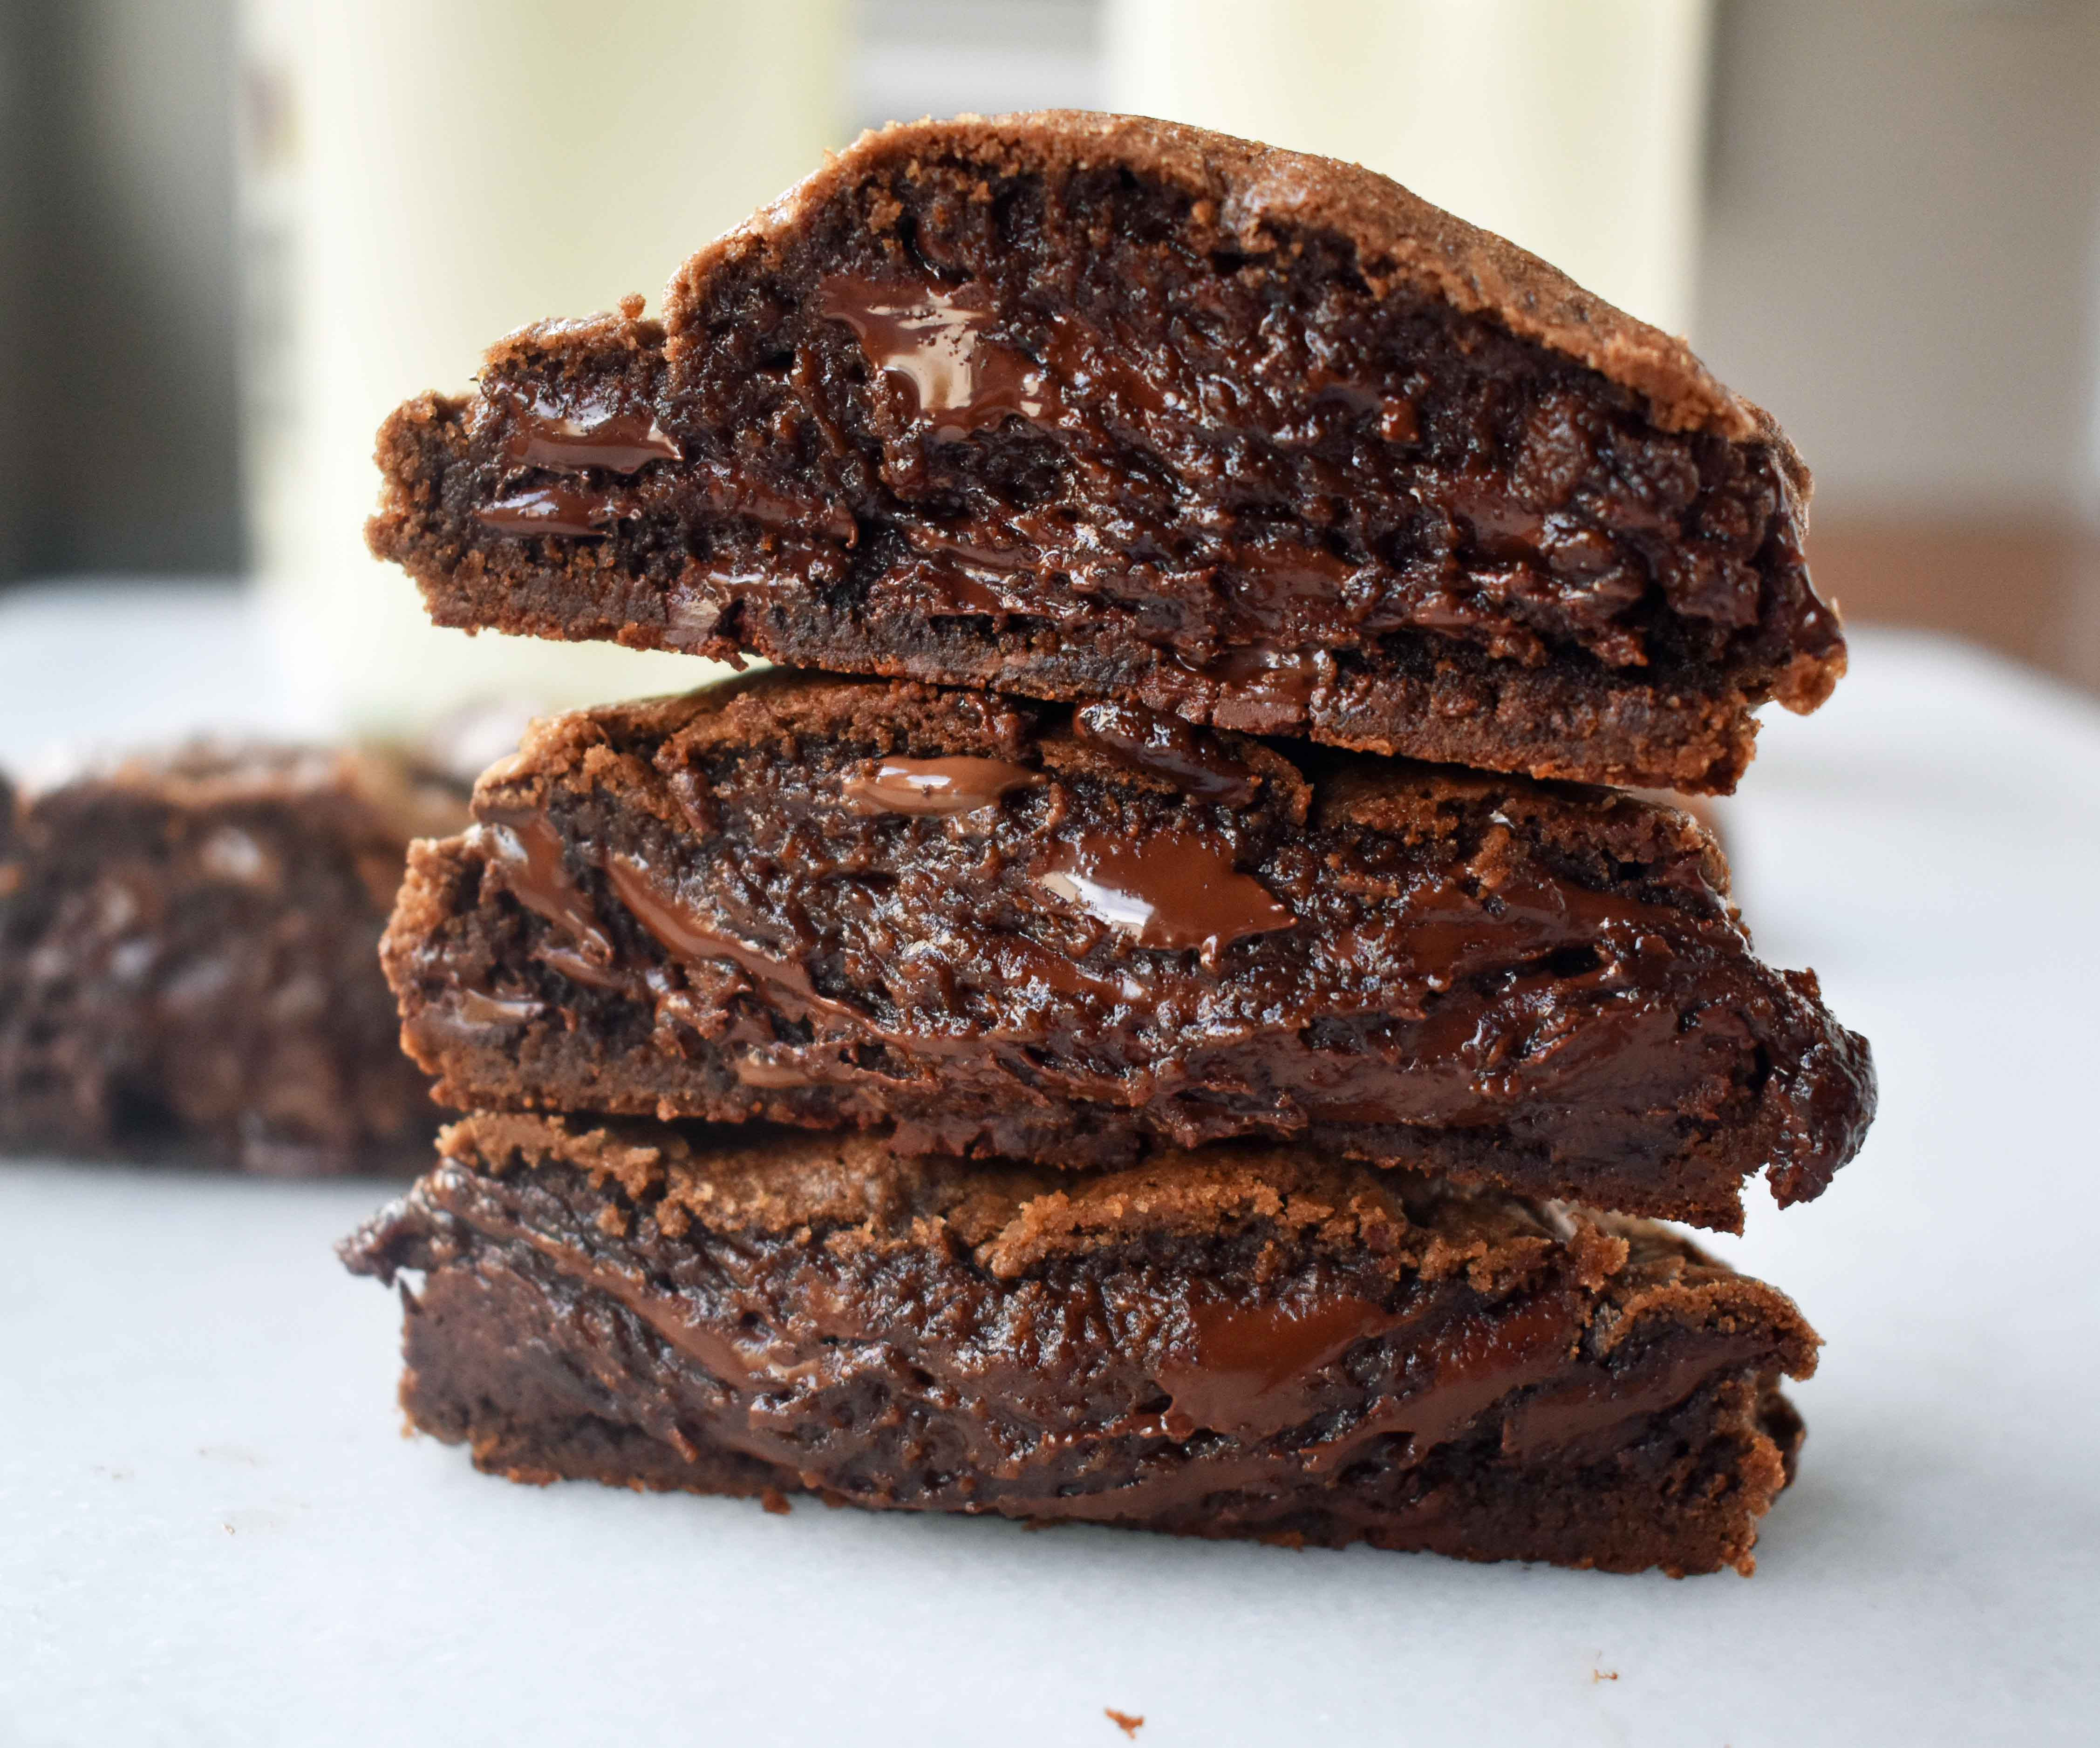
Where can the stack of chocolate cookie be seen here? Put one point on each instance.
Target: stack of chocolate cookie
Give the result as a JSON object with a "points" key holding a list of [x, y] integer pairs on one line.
{"points": [[1094, 1067]]}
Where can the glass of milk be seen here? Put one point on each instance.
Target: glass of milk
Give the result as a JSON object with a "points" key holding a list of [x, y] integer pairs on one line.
{"points": [[1573, 127], [418, 179]]}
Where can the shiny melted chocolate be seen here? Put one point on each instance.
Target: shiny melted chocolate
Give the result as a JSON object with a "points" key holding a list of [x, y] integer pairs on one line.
{"points": [[1596, 1401], [1287, 678], [478, 1007], [527, 856], [1255, 686], [1194, 761], [1464, 1371], [689, 935], [715, 1351], [936, 786], [945, 590], [1174, 889], [686, 934], [551, 509], [937, 343], [570, 440], [1253, 1370], [1250, 1362]]}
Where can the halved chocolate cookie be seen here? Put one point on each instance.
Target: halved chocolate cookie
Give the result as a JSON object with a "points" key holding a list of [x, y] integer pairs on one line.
{"points": [[1238, 1342], [1017, 929], [1087, 407]]}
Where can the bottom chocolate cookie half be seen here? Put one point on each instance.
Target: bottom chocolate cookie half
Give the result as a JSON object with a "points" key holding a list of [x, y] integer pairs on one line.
{"points": [[1241, 1341]]}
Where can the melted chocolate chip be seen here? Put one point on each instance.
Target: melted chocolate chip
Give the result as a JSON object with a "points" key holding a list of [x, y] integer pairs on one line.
{"points": [[551, 509], [937, 341], [950, 589], [999, 558], [1501, 528], [758, 1069], [1254, 1370], [1289, 677], [1175, 891], [775, 510], [1261, 689], [1246, 1376], [1279, 580], [577, 969], [954, 576], [526, 856], [1451, 928], [936, 785], [1194, 761], [478, 1007], [666, 1312], [1086, 359], [1601, 1400], [569, 442], [688, 935], [1463, 1372]]}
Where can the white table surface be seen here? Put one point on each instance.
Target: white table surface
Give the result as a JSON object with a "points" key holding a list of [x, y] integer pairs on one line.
{"points": [[212, 1530]]}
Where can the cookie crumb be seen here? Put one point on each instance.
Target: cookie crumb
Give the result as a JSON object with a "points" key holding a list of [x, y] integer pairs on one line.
{"points": [[1603, 1674], [776, 1502], [1123, 1721]]}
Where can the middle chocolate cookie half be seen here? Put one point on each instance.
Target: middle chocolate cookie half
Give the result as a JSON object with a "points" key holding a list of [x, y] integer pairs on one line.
{"points": [[1014, 928]]}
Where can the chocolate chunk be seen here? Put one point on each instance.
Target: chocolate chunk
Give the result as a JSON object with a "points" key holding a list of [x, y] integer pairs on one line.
{"points": [[1537, 986], [936, 785], [1295, 1349], [1194, 762], [527, 856], [550, 509], [936, 342], [1094, 409], [188, 960], [570, 441], [1170, 888]]}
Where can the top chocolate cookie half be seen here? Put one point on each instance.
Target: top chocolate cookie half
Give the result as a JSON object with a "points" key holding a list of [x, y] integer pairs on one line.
{"points": [[1083, 406]]}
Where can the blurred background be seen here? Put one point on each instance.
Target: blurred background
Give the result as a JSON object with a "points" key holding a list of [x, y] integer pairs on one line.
{"points": [[234, 232]]}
